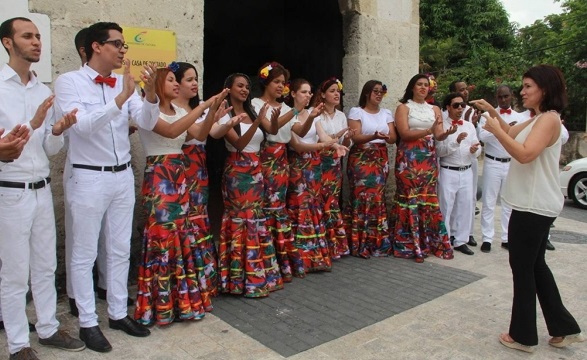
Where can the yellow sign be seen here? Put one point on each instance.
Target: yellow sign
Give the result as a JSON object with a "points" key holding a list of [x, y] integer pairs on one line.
{"points": [[149, 46]]}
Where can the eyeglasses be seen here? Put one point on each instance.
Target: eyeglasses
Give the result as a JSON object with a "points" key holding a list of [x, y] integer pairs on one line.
{"points": [[379, 92], [119, 44], [456, 105]]}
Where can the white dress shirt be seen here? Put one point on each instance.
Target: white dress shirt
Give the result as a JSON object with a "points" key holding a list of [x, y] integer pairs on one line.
{"points": [[100, 136], [18, 105], [491, 145], [452, 153]]}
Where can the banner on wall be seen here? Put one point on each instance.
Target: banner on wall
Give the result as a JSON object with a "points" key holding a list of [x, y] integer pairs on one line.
{"points": [[149, 46]]}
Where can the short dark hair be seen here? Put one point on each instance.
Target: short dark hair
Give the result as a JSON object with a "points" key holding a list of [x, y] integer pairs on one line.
{"points": [[179, 74], [7, 29], [366, 91], [552, 82], [409, 92], [449, 98], [276, 70], [502, 86], [452, 87], [98, 32], [80, 39]]}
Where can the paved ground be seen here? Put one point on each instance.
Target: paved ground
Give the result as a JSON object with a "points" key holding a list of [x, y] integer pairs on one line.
{"points": [[392, 309]]}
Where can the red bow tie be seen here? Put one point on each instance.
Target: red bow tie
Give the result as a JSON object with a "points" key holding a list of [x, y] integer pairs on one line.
{"points": [[505, 111], [457, 122], [110, 81]]}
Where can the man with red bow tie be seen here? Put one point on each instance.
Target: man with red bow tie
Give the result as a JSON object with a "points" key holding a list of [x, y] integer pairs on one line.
{"points": [[100, 191], [455, 181], [495, 168]]}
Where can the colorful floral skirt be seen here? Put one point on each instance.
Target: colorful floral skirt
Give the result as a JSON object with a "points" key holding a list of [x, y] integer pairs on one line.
{"points": [[304, 206], [366, 216], [168, 281], [275, 177], [419, 226], [247, 260], [330, 188], [205, 252]]}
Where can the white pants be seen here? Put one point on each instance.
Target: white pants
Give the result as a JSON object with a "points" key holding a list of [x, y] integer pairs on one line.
{"points": [[474, 169], [100, 200], [27, 245], [494, 175], [100, 262], [454, 195]]}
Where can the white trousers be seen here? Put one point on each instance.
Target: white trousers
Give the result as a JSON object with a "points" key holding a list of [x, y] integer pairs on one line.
{"points": [[454, 195], [100, 262], [27, 246], [474, 169], [100, 200], [494, 175]]}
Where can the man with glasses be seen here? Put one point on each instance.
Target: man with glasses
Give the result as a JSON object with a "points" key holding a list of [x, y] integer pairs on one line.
{"points": [[100, 192], [27, 220], [455, 190], [495, 169]]}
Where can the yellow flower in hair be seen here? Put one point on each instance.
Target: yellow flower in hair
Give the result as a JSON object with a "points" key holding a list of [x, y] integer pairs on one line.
{"points": [[285, 90], [265, 71], [339, 84]]}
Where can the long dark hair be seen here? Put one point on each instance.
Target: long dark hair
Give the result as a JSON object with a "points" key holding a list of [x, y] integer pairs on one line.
{"points": [[180, 73], [366, 92], [317, 98], [552, 82], [247, 105], [409, 92]]}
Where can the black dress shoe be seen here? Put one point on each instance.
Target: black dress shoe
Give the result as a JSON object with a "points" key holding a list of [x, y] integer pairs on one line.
{"points": [[549, 245], [452, 240], [505, 245], [94, 339], [472, 241], [486, 247], [129, 326], [464, 249], [73, 308]]}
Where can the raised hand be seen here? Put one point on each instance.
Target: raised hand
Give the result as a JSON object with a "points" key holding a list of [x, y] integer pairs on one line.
{"points": [[223, 110], [65, 123], [461, 137], [481, 104], [236, 120], [474, 148], [149, 75], [319, 109], [491, 124], [41, 112], [263, 112]]}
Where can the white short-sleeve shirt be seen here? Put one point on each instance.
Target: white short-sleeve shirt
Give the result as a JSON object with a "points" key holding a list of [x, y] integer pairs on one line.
{"points": [[370, 123]]}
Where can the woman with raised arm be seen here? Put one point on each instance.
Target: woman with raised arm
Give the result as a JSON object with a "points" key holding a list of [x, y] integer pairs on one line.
{"points": [[367, 170], [532, 190], [304, 204], [273, 79], [196, 175], [333, 122], [168, 286], [247, 259], [419, 225]]}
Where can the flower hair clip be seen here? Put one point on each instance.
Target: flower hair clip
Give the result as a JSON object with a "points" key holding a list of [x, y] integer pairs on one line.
{"points": [[173, 66], [286, 90], [264, 73], [384, 90], [339, 84]]}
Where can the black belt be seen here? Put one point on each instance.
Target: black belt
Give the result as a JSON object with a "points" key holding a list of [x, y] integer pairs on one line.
{"points": [[456, 168], [26, 185], [504, 160], [115, 168]]}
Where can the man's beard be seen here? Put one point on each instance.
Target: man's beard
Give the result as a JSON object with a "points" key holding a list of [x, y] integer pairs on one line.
{"points": [[22, 54]]}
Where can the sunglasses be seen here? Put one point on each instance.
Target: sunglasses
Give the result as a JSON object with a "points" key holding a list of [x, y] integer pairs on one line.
{"points": [[456, 105], [119, 44], [379, 92]]}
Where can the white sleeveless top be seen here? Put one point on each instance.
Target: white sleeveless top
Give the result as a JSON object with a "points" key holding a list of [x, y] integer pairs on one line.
{"points": [[420, 116], [535, 187]]}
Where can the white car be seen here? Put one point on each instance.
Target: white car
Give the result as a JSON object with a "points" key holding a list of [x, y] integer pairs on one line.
{"points": [[573, 180]]}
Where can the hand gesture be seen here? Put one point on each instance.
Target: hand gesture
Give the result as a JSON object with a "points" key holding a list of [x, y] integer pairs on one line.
{"points": [[11, 145], [380, 136], [263, 112], [328, 143], [65, 123], [343, 132], [318, 110], [461, 137], [474, 148], [149, 75], [341, 150], [491, 124], [223, 110], [236, 120], [275, 115], [41, 112], [481, 104]]}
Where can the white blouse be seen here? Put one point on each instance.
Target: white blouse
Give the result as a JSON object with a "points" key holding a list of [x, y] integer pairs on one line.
{"points": [[284, 133], [253, 146], [155, 144], [370, 123]]}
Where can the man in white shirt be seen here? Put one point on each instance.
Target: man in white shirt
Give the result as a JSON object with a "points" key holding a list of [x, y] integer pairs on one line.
{"points": [[27, 220], [495, 169], [455, 190], [100, 192]]}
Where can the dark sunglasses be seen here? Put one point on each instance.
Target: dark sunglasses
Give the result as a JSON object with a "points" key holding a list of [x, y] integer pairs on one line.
{"points": [[456, 105], [119, 44]]}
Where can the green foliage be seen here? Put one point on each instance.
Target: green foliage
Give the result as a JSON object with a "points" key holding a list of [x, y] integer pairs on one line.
{"points": [[473, 40]]}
